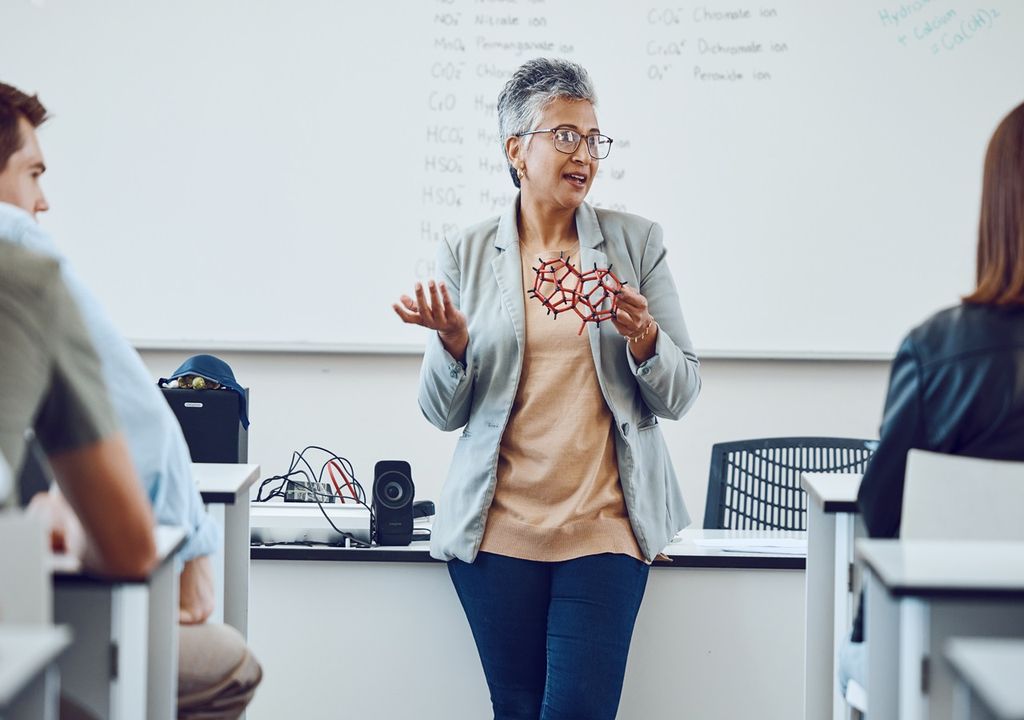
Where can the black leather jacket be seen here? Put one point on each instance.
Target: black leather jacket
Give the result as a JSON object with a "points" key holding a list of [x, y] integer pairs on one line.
{"points": [[957, 386]]}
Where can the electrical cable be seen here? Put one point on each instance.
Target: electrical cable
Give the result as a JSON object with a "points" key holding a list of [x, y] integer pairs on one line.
{"points": [[344, 477], [312, 486], [334, 482]]}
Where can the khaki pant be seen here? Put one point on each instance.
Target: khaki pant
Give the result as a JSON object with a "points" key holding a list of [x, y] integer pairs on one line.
{"points": [[217, 675]]}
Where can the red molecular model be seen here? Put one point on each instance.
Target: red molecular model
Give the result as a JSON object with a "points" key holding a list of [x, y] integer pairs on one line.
{"points": [[592, 295]]}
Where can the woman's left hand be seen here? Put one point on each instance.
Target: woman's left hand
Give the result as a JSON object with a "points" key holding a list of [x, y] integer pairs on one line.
{"points": [[634, 322]]}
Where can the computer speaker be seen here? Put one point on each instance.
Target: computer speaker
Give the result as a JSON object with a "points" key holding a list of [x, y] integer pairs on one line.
{"points": [[393, 493]]}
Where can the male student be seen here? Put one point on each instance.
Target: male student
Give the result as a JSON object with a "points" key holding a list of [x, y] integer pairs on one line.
{"points": [[217, 673]]}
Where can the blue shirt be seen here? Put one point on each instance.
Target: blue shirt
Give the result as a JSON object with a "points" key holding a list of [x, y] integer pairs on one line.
{"points": [[154, 438]]}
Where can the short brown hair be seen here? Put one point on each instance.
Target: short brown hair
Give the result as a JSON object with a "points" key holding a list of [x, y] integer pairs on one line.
{"points": [[15, 104], [1001, 230]]}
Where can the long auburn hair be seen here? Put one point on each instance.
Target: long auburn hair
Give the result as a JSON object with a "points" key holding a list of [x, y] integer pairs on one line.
{"points": [[1001, 230]]}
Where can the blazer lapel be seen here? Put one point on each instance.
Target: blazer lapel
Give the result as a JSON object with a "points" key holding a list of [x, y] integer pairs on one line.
{"points": [[508, 272], [591, 254]]}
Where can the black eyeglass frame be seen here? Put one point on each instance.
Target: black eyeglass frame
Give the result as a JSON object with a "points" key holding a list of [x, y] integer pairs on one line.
{"points": [[590, 150]]}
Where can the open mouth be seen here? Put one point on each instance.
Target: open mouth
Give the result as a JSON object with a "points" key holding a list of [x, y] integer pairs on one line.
{"points": [[576, 179]]}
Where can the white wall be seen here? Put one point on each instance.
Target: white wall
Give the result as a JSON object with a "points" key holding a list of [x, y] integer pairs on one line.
{"points": [[364, 408]]}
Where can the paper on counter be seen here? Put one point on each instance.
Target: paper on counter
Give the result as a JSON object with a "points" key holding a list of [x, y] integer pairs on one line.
{"points": [[769, 546]]}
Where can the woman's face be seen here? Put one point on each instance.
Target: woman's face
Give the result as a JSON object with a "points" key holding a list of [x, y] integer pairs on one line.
{"points": [[548, 174]]}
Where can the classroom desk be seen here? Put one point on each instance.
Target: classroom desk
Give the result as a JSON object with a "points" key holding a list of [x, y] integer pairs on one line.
{"points": [[26, 594], [228, 485], [920, 594], [831, 514], [29, 681], [380, 633], [116, 623], [989, 674]]}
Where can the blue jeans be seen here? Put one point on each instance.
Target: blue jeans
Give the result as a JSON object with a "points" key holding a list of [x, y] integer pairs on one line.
{"points": [[552, 636]]}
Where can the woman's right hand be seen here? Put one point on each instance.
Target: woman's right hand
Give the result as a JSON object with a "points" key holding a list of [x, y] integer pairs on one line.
{"points": [[437, 313]]}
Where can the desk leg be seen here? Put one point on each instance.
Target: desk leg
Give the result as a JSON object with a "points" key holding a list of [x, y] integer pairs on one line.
{"points": [[819, 654], [236, 563], [882, 632], [842, 602], [216, 513], [51, 693], [104, 670], [913, 648], [162, 680]]}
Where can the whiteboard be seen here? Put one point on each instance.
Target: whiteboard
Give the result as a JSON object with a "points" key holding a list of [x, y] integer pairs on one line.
{"points": [[267, 174]]}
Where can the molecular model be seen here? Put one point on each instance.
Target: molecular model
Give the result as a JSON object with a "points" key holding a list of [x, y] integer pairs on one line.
{"points": [[561, 286]]}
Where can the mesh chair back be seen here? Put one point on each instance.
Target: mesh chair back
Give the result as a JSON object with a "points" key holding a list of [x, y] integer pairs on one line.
{"points": [[755, 484]]}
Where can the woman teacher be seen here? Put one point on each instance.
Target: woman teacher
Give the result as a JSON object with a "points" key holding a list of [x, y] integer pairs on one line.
{"points": [[561, 491]]}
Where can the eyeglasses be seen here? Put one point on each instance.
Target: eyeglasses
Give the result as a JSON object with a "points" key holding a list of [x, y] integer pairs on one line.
{"points": [[567, 140]]}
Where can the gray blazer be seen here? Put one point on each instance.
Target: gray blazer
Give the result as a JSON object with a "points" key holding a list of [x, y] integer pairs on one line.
{"points": [[482, 269]]}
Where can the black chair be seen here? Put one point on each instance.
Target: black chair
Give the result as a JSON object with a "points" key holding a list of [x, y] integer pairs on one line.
{"points": [[755, 484]]}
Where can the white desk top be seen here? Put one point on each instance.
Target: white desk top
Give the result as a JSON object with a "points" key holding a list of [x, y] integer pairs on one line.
{"points": [[68, 568], [24, 651], [993, 668], [835, 492], [684, 553], [222, 482], [946, 569], [688, 541]]}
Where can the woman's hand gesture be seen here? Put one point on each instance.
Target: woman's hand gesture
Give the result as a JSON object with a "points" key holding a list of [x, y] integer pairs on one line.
{"points": [[634, 322], [439, 313]]}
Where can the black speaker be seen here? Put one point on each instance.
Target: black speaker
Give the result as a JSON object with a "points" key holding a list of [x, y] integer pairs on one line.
{"points": [[211, 424], [393, 493]]}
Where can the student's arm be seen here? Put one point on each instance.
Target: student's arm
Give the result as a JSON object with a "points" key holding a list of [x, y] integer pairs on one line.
{"points": [[196, 592], [75, 426], [880, 497], [48, 360], [100, 486]]}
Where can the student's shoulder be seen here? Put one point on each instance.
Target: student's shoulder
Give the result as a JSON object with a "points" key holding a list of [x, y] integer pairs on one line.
{"points": [[29, 277], [967, 331]]}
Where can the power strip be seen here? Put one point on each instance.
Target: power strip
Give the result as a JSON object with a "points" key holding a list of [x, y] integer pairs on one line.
{"points": [[281, 522], [303, 491]]}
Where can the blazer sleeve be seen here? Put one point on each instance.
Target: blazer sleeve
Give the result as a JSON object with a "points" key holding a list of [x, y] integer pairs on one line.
{"points": [[446, 385], [880, 497], [669, 380]]}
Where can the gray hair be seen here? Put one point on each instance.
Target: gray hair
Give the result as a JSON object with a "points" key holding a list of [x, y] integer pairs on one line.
{"points": [[531, 89]]}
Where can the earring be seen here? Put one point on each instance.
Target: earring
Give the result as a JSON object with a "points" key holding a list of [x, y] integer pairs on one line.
{"points": [[521, 172]]}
